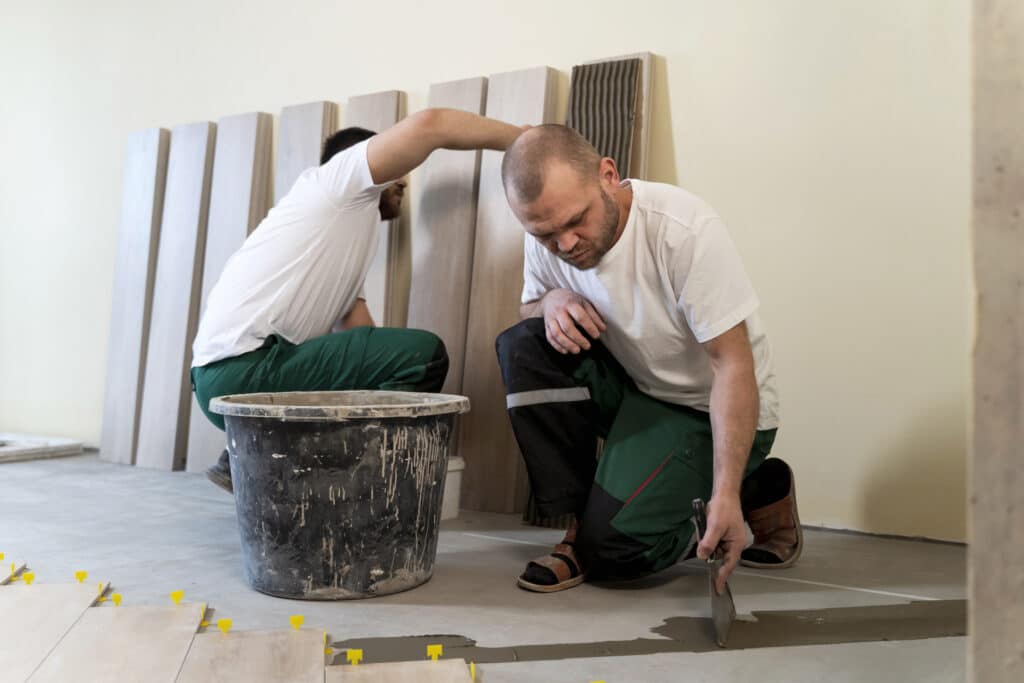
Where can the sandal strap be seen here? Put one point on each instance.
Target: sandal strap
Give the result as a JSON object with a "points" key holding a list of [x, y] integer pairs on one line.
{"points": [[775, 526], [561, 561]]}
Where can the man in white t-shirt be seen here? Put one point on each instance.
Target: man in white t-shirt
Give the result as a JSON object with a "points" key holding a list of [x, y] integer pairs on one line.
{"points": [[640, 326], [299, 276]]}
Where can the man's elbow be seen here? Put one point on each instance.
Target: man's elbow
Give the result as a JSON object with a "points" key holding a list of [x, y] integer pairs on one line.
{"points": [[429, 125]]}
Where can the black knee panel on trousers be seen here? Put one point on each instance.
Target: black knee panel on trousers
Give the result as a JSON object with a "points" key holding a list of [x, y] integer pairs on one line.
{"points": [[605, 552], [522, 343], [436, 370]]}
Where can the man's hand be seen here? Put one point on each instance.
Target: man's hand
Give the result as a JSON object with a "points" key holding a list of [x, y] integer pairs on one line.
{"points": [[565, 313], [725, 529]]}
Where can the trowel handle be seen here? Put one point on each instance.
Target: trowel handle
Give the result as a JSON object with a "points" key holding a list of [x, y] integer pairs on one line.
{"points": [[700, 517]]}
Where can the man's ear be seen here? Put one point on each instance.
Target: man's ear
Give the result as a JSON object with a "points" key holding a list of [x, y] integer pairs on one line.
{"points": [[609, 173]]}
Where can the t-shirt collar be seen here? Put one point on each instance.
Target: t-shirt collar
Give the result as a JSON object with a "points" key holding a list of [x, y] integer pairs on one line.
{"points": [[626, 230]]}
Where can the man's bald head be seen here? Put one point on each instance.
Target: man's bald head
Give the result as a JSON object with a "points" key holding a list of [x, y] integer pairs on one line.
{"points": [[527, 160]]}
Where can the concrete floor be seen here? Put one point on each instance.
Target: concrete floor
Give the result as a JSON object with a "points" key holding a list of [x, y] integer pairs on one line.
{"points": [[150, 532]]}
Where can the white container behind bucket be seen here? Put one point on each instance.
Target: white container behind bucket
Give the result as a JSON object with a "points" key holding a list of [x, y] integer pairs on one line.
{"points": [[452, 488]]}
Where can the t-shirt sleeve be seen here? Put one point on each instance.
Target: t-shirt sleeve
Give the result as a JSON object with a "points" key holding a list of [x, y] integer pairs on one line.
{"points": [[536, 281], [714, 292], [346, 177]]}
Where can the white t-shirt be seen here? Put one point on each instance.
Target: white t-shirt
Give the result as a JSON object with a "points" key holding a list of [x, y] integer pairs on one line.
{"points": [[302, 268], [673, 281]]}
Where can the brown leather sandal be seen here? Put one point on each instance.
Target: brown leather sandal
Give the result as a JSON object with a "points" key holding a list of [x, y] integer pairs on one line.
{"points": [[769, 507], [561, 562]]}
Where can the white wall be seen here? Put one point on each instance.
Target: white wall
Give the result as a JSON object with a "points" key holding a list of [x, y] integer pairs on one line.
{"points": [[832, 136]]}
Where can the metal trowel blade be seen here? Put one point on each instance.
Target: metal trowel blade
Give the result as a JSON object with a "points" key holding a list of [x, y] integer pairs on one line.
{"points": [[723, 609]]}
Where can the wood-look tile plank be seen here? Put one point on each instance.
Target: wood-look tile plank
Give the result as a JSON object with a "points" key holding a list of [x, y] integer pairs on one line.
{"points": [[387, 282], [445, 232], [142, 196], [166, 390], [495, 479], [239, 199]]}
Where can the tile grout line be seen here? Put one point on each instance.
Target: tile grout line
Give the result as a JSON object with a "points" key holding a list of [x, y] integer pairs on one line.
{"points": [[836, 585], [92, 605], [506, 540], [740, 572]]}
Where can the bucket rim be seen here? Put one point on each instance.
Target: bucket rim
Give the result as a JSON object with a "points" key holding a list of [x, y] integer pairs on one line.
{"points": [[316, 406]]}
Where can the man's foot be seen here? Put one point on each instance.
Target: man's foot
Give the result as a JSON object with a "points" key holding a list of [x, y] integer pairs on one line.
{"points": [[220, 474], [556, 571], [769, 507]]}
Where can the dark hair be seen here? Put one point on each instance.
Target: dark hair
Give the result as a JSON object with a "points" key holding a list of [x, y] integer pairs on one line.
{"points": [[342, 140], [527, 158]]}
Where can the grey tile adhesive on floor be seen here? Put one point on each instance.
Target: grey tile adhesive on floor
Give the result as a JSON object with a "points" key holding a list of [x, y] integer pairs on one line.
{"points": [[151, 532]]}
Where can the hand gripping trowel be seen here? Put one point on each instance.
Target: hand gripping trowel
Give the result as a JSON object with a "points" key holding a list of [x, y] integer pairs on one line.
{"points": [[723, 610]]}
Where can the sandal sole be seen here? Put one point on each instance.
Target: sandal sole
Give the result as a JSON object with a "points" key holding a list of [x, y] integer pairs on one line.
{"points": [[221, 481], [553, 588]]}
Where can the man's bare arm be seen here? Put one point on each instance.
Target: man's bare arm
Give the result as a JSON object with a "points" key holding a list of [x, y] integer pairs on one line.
{"points": [[358, 316], [407, 144], [735, 404]]}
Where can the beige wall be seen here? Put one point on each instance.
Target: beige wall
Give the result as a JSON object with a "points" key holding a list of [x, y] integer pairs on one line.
{"points": [[832, 136]]}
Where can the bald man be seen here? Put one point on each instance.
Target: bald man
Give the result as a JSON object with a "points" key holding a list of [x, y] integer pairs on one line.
{"points": [[640, 326]]}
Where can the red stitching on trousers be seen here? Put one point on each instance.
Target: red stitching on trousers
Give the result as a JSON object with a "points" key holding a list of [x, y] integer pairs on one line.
{"points": [[647, 481]]}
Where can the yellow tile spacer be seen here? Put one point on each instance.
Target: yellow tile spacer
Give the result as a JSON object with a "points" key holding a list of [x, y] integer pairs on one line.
{"points": [[80, 575], [29, 578], [472, 671], [176, 596], [435, 651], [116, 598], [224, 625], [296, 621], [1, 557], [99, 588], [354, 656]]}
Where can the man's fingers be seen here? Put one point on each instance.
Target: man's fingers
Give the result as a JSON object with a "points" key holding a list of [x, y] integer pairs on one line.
{"points": [[570, 330], [595, 315], [708, 543], [559, 340], [554, 344], [720, 583], [732, 558], [583, 318]]}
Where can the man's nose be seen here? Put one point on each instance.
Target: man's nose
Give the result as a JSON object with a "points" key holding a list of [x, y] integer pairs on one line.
{"points": [[567, 241]]}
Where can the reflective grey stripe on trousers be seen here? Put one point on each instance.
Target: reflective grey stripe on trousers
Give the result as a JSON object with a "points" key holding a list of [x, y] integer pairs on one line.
{"points": [[530, 398]]}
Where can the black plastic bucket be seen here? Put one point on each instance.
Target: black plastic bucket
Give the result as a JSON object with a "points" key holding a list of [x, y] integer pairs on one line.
{"points": [[338, 493]]}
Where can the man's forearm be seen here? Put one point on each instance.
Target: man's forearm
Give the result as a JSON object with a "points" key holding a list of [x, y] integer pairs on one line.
{"points": [[734, 410], [461, 130], [532, 309], [401, 148]]}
